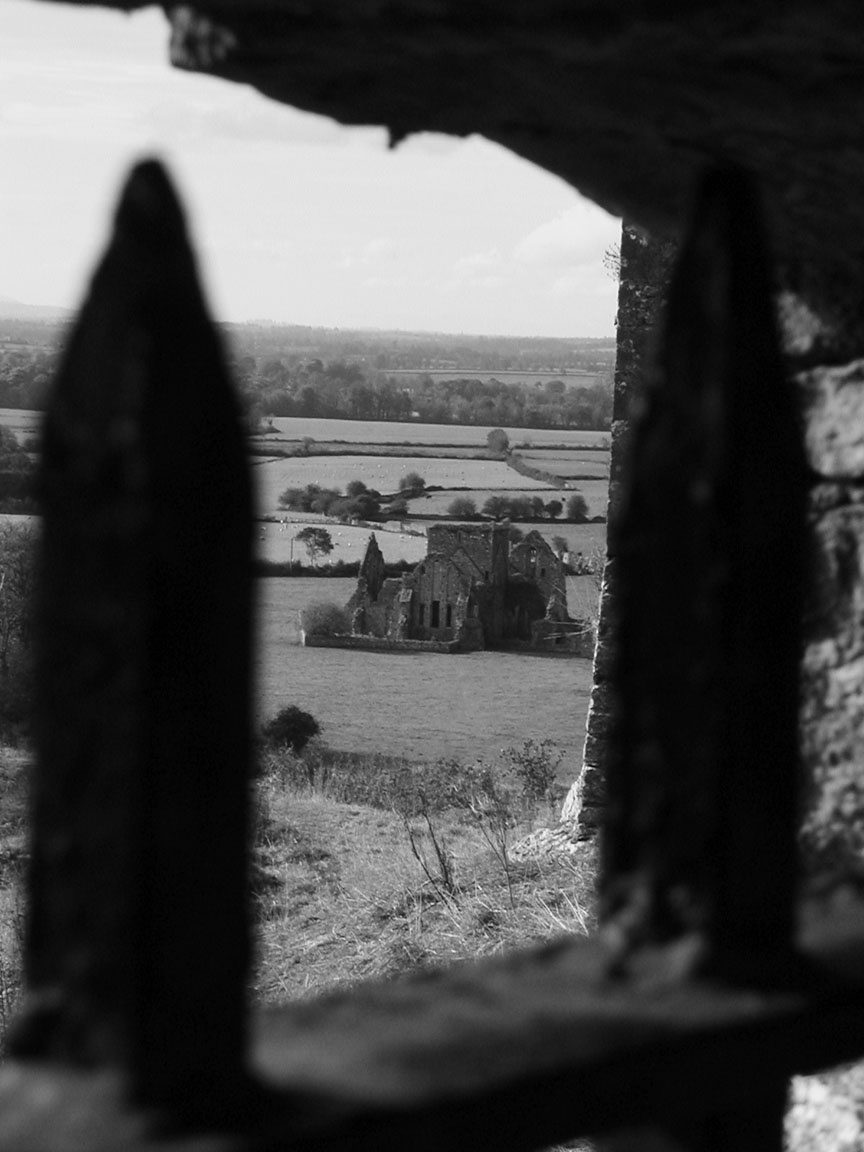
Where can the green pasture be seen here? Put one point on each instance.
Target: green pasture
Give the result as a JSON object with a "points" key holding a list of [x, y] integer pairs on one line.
{"points": [[383, 473], [577, 462], [419, 705], [393, 432], [596, 494]]}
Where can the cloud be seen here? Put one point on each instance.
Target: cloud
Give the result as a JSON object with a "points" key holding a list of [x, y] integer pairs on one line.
{"points": [[375, 252], [485, 269], [575, 237], [586, 280]]}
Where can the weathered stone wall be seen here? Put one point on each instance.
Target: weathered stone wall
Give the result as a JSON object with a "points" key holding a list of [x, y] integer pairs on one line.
{"points": [[382, 644], [645, 267], [831, 388]]}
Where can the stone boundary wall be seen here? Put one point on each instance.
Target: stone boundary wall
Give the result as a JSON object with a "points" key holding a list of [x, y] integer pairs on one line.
{"points": [[382, 644]]}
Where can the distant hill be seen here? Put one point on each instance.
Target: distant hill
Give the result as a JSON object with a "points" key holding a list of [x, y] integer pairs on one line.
{"points": [[16, 310]]}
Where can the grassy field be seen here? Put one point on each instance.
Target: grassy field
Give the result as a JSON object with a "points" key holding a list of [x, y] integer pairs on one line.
{"points": [[577, 462], [596, 493], [387, 432], [418, 705], [383, 473], [22, 421], [273, 541]]}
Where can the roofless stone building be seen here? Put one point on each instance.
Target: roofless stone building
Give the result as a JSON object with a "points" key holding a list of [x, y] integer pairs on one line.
{"points": [[473, 590]]}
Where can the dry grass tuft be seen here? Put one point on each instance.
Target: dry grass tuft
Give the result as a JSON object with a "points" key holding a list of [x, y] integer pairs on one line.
{"points": [[350, 899]]}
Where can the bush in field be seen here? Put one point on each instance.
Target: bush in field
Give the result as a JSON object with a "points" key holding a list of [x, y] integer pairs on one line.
{"points": [[312, 498], [559, 543], [398, 507], [497, 507], [413, 484], [577, 507], [365, 506], [291, 728], [519, 508], [535, 764], [497, 441], [462, 506], [554, 508], [324, 618]]}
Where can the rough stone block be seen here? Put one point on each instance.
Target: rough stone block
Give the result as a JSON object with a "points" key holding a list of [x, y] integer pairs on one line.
{"points": [[834, 608], [833, 398]]}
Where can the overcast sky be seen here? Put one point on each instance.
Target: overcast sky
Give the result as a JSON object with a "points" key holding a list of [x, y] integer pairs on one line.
{"points": [[296, 219]]}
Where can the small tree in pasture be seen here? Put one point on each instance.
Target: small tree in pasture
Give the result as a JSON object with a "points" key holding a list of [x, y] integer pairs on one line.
{"points": [[316, 541], [462, 506], [413, 484], [559, 543], [577, 507], [497, 506], [554, 508], [497, 441], [520, 508]]}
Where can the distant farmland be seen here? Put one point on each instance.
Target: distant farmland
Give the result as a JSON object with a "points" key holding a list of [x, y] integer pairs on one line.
{"points": [[505, 375], [383, 473], [393, 432]]}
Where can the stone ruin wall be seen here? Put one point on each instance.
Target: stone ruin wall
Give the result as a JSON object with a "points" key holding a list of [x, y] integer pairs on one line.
{"points": [[645, 266], [830, 378]]}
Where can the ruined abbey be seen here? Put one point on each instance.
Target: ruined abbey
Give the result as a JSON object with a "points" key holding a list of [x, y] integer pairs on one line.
{"points": [[473, 590]]}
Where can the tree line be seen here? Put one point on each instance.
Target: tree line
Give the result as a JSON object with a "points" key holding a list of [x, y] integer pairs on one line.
{"points": [[291, 384], [277, 386]]}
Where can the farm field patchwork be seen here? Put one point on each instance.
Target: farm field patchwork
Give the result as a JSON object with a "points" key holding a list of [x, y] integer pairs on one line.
{"points": [[418, 705], [437, 503], [578, 462], [273, 445], [272, 477], [386, 432], [273, 542]]}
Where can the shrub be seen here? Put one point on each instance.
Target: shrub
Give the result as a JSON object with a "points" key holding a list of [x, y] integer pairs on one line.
{"points": [[498, 441], [577, 507], [462, 506], [520, 508], [291, 728], [497, 507], [535, 764], [413, 484], [324, 618]]}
